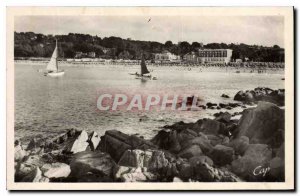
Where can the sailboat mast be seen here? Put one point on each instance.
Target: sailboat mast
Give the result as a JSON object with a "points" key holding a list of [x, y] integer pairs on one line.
{"points": [[142, 59], [57, 54]]}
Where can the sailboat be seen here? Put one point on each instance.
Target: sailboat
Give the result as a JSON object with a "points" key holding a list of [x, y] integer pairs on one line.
{"points": [[145, 74], [52, 67]]}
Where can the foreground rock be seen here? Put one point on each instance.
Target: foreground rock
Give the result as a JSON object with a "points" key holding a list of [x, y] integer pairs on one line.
{"points": [[116, 143], [222, 155], [19, 153], [56, 170], [35, 176], [73, 141], [263, 124], [139, 165], [92, 167], [239, 144], [256, 157]]}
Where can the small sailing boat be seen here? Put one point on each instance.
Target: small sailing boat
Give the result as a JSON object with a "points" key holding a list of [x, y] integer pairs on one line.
{"points": [[52, 67], [145, 73]]}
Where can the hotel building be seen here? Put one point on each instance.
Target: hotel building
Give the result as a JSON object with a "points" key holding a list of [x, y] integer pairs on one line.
{"points": [[214, 55]]}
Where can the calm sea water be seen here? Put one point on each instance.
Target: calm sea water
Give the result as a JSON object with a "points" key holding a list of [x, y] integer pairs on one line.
{"points": [[48, 106]]}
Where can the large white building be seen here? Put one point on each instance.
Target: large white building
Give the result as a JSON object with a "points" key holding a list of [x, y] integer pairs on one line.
{"points": [[214, 55]]}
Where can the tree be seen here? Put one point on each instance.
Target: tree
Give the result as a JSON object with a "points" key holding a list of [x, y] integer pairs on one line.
{"points": [[168, 44], [196, 45], [184, 47]]}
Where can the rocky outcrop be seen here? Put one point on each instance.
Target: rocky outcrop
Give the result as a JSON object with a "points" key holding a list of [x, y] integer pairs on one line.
{"points": [[261, 94], [223, 149], [225, 96]]}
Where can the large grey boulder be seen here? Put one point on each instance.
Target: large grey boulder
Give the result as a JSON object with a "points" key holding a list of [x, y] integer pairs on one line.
{"points": [[210, 127], [56, 170], [256, 155], [155, 164], [19, 153], [154, 160], [115, 143], [79, 143], [203, 172], [223, 117], [239, 144], [203, 142], [222, 155], [135, 158], [277, 170], [175, 140], [35, 176], [200, 160], [27, 167], [94, 140], [92, 166], [138, 175], [193, 150], [263, 124]]}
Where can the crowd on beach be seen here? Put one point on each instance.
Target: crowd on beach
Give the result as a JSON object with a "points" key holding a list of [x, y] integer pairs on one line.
{"points": [[259, 67]]}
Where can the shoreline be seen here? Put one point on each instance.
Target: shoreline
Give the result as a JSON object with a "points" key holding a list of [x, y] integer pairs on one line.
{"points": [[154, 68], [185, 67]]}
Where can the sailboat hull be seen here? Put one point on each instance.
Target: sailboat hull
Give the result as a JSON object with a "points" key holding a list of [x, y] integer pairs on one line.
{"points": [[146, 77], [55, 74]]}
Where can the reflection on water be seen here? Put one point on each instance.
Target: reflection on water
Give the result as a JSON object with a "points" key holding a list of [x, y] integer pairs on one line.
{"points": [[143, 82], [45, 105]]}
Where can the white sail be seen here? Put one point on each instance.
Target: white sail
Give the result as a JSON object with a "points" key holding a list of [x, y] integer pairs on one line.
{"points": [[52, 65]]}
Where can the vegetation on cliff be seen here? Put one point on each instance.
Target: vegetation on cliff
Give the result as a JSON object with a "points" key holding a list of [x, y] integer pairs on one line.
{"points": [[30, 44]]}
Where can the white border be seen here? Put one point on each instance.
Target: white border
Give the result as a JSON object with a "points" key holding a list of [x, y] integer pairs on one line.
{"points": [[159, 186]]}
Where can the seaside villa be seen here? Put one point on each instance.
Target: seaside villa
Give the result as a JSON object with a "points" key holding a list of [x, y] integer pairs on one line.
{"points": [[166, 56]]}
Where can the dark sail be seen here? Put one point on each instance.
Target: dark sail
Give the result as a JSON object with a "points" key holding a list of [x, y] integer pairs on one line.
{"points": [[144, 69]]}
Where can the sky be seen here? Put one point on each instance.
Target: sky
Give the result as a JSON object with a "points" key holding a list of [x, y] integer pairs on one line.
{"points": [[259, 30]]}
